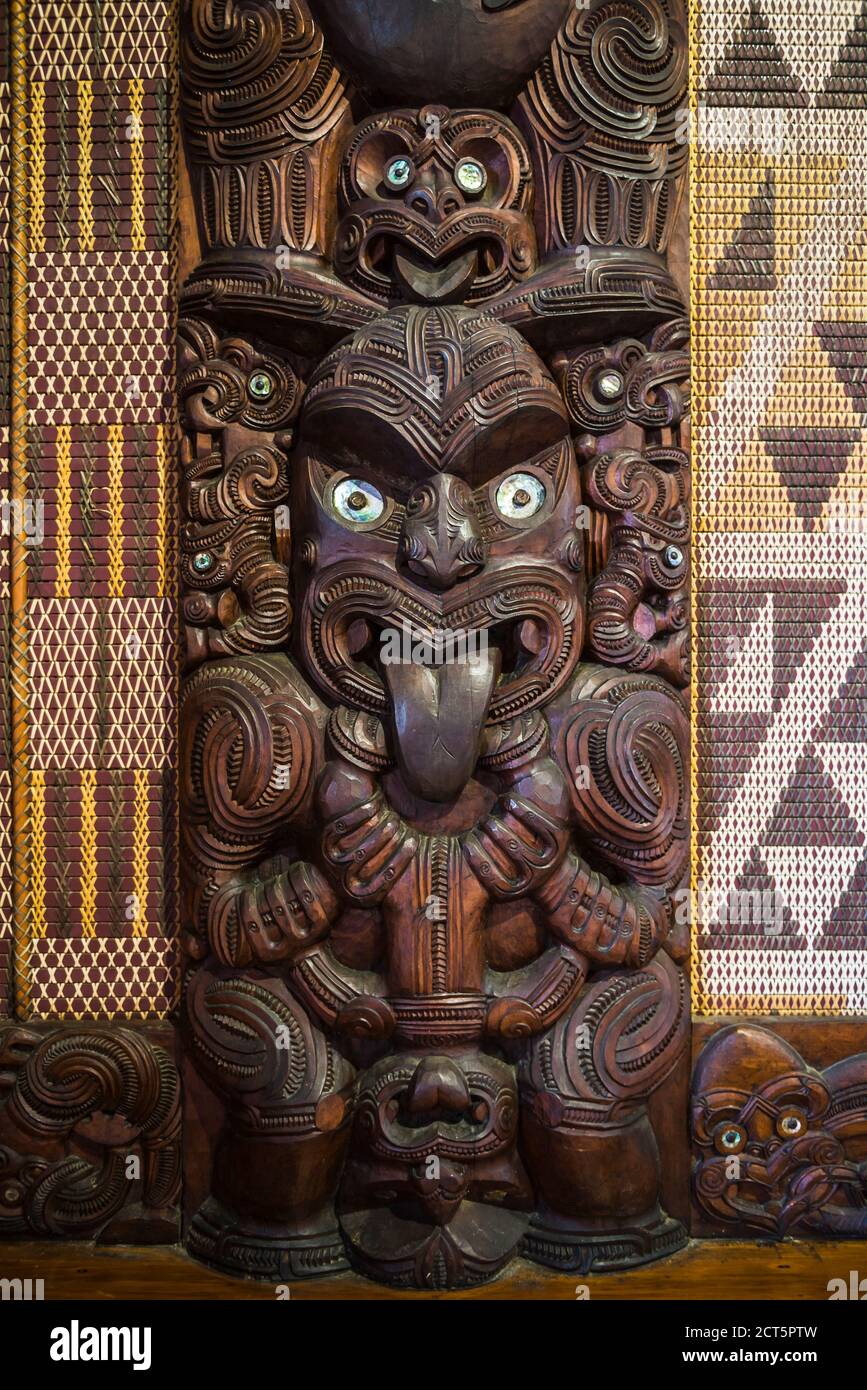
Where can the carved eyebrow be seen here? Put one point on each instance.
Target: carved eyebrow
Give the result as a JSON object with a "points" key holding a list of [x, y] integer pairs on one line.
{"points": [[551, 461]]}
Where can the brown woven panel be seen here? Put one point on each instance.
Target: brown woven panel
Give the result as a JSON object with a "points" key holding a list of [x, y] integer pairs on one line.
{"points": [[98, 621]]}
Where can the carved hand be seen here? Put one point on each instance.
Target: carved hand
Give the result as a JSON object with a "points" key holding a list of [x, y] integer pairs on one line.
{"points": [[272, 918], [608, 924]]}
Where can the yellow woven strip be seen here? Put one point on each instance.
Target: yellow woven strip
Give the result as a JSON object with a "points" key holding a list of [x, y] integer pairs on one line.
{"points": [[781, 1005], [18, 469], [88, 852], [170, 849], [37, 166], [136, 135], [115, 511], [86, 225], [37, 816], [141, 836], [63, 535]]}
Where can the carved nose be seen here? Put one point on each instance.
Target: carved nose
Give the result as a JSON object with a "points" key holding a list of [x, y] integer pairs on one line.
{"points": [[422, 201], [441, 538], [434, 201], [437, 1084]]}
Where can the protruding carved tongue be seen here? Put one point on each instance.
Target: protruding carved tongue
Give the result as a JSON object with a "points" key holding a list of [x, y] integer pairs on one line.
{"points": [[438, 283], [439, 713]]}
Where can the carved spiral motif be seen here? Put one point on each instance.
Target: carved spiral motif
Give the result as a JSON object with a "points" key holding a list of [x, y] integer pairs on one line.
{"points": [[251, 746], [606, 386], [235, 379], [256, 1040], [621, 1042], [620, 67], [638, 1028], [626, 744], [648, 488], [61, 1080], [253, 76]]}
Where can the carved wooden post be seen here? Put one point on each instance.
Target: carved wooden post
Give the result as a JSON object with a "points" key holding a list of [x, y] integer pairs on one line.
{"points": [[434, 385]]}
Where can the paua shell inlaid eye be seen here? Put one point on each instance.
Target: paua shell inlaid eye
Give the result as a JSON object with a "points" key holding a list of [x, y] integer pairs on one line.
{"points": [[470, 176], [520, 496], [358, 501]]}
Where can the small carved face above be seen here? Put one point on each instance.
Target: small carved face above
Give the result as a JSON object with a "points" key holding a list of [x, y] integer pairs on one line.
{"points": [[436, 207], [434, 503]]}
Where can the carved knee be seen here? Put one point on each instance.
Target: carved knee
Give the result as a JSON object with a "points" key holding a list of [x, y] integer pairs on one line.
{"points": [[586, 1135]]}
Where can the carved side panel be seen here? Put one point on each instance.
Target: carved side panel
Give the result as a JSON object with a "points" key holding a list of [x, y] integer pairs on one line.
{"points": [[90, 1134], [779, 1144]]}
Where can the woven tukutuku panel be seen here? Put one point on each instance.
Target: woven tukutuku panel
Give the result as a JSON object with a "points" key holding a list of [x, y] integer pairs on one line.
{"points": [[779, 305], [99, 660]]}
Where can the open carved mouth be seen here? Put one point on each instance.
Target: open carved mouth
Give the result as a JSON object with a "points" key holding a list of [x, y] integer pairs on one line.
{"points": [[427, 280], [524, 637], [440, 689], [377, 646]]}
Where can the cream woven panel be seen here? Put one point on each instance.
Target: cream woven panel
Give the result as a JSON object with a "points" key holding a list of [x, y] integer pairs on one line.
{"points": [[779, 303]]}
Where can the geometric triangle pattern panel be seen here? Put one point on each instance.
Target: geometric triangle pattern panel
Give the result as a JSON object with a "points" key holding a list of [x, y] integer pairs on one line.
{"points": [[779, 308], [88, 444]]}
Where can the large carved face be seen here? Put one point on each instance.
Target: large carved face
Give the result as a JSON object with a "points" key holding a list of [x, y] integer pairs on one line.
{"points": [[438, 568], [436, 207]]}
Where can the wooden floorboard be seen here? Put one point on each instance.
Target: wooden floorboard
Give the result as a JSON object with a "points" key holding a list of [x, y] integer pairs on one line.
{"points": [[794, 1270]]}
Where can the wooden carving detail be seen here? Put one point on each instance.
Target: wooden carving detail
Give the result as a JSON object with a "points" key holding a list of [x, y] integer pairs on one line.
{"points": [[262, 103], [436, 207], [238, 401], [435, 566], [603, 111], [779, 1145], [89, 1134]]}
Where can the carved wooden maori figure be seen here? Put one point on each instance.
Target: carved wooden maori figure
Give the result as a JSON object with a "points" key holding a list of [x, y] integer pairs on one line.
{"points": [[435, 564], [779, 1146]]}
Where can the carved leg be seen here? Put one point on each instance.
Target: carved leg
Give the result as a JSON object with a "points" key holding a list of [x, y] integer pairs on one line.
{"points": [[586, 1136], [289, 1094]]}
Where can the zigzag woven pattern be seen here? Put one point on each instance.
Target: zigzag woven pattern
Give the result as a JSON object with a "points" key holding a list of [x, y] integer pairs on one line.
{"points": [[93, 935], [779, 303]]}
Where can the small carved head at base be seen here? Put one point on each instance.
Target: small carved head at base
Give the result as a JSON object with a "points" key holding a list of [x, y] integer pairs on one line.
{"points": [[434, 1194]]}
